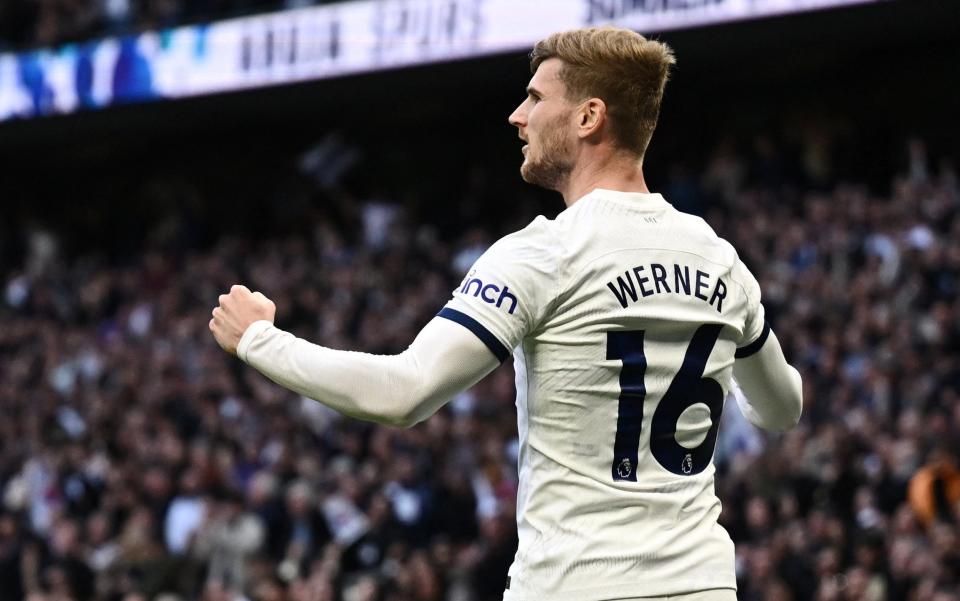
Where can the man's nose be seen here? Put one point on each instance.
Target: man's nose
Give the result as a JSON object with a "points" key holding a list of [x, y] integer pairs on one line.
{"points": [[518, 117]]}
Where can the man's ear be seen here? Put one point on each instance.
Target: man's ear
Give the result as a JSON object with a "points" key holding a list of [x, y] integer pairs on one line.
{"points": [[591, 115]]}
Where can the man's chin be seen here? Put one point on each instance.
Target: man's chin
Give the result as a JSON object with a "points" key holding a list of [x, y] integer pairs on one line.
{"points": [[525, 172], [531, 173], [538, 176], [532, 179]]}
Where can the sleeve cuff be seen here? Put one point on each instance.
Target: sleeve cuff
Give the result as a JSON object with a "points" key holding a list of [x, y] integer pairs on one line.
{"points": [[499, 350], [252, 332], [756, 345]]}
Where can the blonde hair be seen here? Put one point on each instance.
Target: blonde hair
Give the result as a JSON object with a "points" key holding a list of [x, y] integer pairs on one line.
{"points": [[621, 67]]}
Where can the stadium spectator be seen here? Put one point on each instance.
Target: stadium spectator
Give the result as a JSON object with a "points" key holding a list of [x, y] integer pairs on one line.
{"points": [[934, 491]]}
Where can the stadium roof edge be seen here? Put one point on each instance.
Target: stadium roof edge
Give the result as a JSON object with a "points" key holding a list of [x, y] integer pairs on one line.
{"points": [[327, 41]]}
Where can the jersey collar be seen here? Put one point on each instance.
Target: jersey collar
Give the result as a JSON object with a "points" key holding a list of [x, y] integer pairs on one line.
{"points": [[638, 200]]}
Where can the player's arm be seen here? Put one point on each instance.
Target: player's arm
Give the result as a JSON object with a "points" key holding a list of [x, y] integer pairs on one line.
{"points": [[503, 297], [398, 390], [772, 390], [772, 387]]}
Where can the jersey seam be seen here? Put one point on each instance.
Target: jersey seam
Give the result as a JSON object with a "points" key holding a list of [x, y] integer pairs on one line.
{"points": [[598, 257], [559, 280], [526, 398]]}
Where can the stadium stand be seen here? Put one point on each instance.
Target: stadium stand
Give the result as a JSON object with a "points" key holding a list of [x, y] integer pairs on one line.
{"points": [[139, 460], [140, 463]]}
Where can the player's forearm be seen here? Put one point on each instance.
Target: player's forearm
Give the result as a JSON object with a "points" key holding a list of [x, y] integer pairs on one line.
{"points": [[397, 390], [339, 379], [772, 387]]}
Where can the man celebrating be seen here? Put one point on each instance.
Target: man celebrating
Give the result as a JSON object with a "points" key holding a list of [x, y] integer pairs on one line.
{"points": [[627, 321]]}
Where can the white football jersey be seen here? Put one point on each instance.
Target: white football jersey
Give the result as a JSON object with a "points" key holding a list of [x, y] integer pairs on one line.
{"points": [[624, 316]]}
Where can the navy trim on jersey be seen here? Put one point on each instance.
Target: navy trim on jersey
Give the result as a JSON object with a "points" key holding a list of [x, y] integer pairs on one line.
{"points": [[496, 347], [756, 345]]}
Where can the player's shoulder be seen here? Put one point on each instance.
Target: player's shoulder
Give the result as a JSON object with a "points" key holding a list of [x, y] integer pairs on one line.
{"points": [[706, 242], [701, 235], [537, 240]]}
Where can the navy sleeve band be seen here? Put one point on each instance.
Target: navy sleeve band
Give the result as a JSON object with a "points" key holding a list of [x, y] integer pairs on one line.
{"points": [[756, 345], [496, 347]]}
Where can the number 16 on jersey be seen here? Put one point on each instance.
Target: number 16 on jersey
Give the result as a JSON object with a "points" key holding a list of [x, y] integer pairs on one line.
{"points": [[688, 392]]}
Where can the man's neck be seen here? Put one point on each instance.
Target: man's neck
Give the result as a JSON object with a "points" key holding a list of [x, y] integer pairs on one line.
{"points": [[620, 173]]}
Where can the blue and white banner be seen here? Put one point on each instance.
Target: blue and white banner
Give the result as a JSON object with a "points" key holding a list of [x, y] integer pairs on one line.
{"points": [[328, 41]]}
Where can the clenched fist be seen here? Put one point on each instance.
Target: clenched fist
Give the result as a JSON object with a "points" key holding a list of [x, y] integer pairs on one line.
{"points": [[236, 312]]}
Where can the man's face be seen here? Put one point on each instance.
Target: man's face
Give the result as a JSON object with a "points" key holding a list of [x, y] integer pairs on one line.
{"points": [[543, 120]]}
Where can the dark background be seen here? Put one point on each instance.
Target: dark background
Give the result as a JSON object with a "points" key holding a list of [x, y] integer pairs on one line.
{"points": [[883, 72]]}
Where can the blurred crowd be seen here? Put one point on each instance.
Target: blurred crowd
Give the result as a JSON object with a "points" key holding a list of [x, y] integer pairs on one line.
{"points": [[138, 462], [862, 501], [41, 23]]}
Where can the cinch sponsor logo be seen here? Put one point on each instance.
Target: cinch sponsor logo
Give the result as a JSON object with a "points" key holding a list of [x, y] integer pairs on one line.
{"points": [[488, 293]]}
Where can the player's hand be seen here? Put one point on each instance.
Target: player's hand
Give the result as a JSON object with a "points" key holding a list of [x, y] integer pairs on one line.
{"points": [[237, 310]]}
